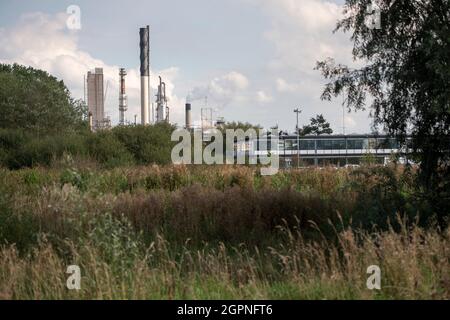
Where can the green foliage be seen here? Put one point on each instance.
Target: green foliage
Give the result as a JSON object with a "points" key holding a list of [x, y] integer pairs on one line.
{"points": [[319, 126], [382, 196], [407, 80], [10, 142], [116, 241], [42, 151], [121, 146], [105, 148], [37, 102], [20, 230], [368, 159], [147, 144], [74, 178], [215, 232], [212, 233]]}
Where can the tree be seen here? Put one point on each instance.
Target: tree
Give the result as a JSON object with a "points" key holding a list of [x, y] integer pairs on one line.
{"points": [[147, 144], [35, 101], [318, 126], [407, 77]]}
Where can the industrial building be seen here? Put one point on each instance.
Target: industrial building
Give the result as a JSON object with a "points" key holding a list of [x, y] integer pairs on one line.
{"points": [[335, 150], [96, 100]]}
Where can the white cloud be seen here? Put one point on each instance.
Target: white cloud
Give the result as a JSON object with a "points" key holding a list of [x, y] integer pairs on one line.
{"points": [[301, 32], [234, 80], [223, 90], [42, 41], [284, 86], [263, 97]]}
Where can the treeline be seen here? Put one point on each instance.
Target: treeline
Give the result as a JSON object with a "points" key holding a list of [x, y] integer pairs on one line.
{"points": [[40, 123], [37, 102], [117, 147]]}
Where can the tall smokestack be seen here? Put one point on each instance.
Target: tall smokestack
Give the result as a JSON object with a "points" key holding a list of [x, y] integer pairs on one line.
{"points": [[188, 116], [123, 103], [145, 73]]}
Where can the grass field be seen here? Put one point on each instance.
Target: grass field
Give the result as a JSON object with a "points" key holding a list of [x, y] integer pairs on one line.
{"points": [[217, 233]]}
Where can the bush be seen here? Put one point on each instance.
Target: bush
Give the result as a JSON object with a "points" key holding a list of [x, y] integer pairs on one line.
{"points": [[118, 147], [149, 144], [36, 151], [10, 142], [18, 229], [382, 194], [108, 150], [37, 102]]}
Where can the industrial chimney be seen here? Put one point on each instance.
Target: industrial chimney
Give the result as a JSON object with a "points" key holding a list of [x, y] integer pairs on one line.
{"points": [[145, 73], [188, 116], [123, 103]]}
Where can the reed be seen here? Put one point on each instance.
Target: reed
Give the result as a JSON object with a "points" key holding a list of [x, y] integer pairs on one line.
{"points": [[177, 232]]}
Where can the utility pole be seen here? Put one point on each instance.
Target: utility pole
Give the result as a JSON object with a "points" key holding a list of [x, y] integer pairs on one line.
{"points": [[298, 111]]}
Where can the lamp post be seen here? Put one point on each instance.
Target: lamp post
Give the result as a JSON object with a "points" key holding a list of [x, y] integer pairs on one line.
{"points": [[298, 111]]}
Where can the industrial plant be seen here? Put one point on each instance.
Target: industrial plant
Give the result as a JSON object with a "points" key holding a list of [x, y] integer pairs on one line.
{"points": [[153, 111], [123, 101], [293, 150], [96, 100]]}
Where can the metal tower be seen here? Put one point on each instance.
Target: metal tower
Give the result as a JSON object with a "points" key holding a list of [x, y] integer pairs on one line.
{"points": [[123, 100]]}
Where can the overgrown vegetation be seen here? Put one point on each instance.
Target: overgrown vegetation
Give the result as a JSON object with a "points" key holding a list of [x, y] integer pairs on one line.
{"points": [[35, 101], [216, 232], [404, 80], [118, 147]]}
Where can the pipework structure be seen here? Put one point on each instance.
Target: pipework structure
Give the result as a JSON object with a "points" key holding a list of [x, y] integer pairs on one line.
{"points": [[123, 100], [162, 108], [144, 34]]}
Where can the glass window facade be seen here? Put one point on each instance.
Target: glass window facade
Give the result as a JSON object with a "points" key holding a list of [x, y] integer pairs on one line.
{"points": [[337, 144], [355, 144]]}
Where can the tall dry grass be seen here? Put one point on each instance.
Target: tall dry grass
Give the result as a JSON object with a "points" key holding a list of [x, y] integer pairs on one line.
{"points": [[414, 265], [216, 233]]}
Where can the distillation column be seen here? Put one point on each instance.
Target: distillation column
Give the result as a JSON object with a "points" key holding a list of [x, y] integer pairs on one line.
{"points": [[123, 101]]}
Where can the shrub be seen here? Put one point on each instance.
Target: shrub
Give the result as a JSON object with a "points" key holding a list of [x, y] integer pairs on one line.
{"points": [[18, 229], [27, 151], [118, 147], [148, 144], [381, 196], [108, 150], [10, 142], [37, 102]]}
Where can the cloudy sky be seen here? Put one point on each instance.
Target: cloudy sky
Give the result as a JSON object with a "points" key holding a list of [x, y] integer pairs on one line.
{"points": [[254, 59]]}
